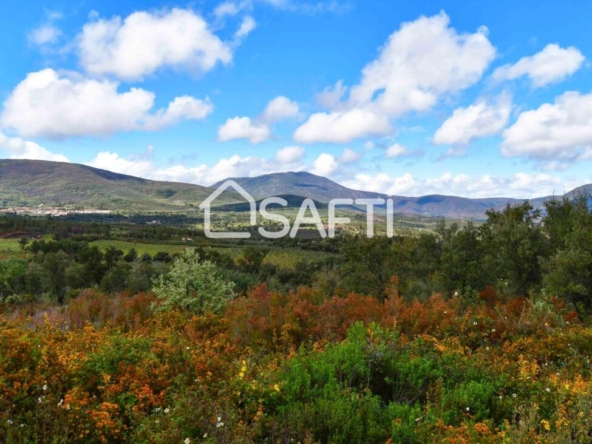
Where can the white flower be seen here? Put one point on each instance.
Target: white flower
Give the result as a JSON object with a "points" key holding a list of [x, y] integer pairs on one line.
{"points": [[220, 424], [157, 421], [219, 418], [40, 399], [468, 408], [493, 330], [547, 389], [187, 441], [417, 419], [205, 435], [456, 293], [167, 410], [487, 348], [22, 426], [9, 422], [187, 348], [475, 323], [44, 387]]}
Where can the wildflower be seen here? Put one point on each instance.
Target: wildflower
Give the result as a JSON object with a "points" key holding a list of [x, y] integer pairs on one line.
{"points": [[23, 426], [40, 399], [220, 424], [9, 422], [186, 348], [487, 348], [493, 330], [241, 375], [475, 323], [44, 387], [205, 435], [468, 408], [547, 389], [157, 421], [513, 395], [417, 419], [187, 441], [167, 410], [456, 293], [546, 425], [219, 418], [276, 388], [60, 403]]}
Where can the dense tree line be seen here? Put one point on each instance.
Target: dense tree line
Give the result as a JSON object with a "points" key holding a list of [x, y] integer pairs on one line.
{"points": [[518, 251]]}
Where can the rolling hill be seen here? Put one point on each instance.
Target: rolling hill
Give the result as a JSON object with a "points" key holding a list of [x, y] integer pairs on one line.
{"points": [[35, 182], [322, 189]]}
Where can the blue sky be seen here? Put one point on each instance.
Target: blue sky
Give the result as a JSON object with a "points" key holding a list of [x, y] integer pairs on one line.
{"points": [[478, 99]]}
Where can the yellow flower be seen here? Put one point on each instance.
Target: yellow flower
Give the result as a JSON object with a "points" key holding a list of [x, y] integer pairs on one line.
{"points": [[546, 425], [276, 388], [241, 375]]}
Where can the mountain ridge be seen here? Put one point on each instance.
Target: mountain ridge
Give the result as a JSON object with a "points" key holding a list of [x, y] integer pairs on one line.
{"points": [[35, 182]]}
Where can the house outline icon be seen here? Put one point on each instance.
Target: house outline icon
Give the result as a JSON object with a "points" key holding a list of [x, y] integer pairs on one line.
{"points": [[205, 206]]}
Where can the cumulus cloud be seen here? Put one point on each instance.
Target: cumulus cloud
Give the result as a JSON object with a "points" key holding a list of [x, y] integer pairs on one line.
{"points": [[419, 63], [554, 134], [324, 165], [143, 42], [349, 156], [280, 108], [18, 148], [343, 127], [552, 64], [57, 106], [521, 185], [259, 129], [243, 128], [481, 119], [106, 160], [331, 96], [396, 150], [289, 154]]}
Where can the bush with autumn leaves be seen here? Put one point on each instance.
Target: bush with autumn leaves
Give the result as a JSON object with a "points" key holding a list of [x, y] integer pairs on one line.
{"points": [[299, 367]]}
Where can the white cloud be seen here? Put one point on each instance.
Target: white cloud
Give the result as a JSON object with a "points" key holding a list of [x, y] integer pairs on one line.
{"points": [[558, 133], [144, 42], [330, 97], [180, 109], [324, 165], [247, 25], [286, 159], [479, 120], [552, 64], [342, 127], [49, 105], [396, 150], [25, 149], [44, 35], [227, 9], [280, 108], [350, 156], [521, 185], [259, 129], [106, 160], [420, 62], [243, 128], [289, 154]]}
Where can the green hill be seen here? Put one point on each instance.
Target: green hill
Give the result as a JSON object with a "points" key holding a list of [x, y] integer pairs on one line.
{"points": [[35, 182]]}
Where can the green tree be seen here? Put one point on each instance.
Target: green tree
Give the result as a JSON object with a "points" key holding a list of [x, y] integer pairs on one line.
{"points": [[193, 285]]}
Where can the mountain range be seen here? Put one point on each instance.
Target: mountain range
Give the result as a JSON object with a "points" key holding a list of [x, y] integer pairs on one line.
{"points": [[35, 182]]}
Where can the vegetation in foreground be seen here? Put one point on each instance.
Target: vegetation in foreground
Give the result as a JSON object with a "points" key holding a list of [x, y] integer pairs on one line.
{"points": [[473, 334]]}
